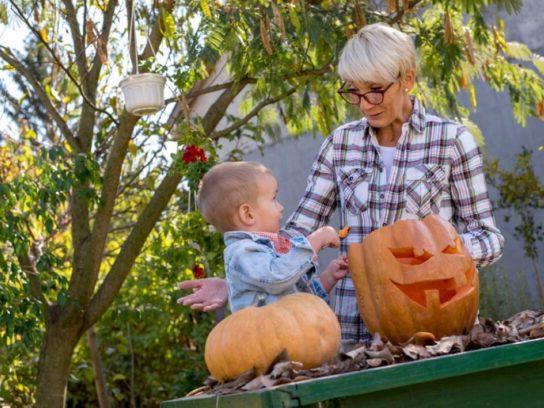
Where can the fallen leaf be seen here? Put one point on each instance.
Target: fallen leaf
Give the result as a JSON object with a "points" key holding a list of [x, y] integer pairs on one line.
{"points": [[447, 345], [374, 362], [356, 353], [384, 355], [415, 352], [262, 381], [285, 367], [537, 332]]}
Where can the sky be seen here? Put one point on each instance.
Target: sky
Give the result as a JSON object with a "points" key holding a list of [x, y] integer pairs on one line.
{"points": [[9, 37]]}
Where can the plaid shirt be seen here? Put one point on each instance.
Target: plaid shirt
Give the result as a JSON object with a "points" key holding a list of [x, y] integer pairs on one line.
{"points": [[437, 169]]}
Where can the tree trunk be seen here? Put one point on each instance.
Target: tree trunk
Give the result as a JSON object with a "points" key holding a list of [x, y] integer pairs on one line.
{"points": [[54, 366], [98, 368]]}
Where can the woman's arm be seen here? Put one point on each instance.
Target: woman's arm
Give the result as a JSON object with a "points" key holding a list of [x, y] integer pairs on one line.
{"points": [[319, 200], [473, 212]]}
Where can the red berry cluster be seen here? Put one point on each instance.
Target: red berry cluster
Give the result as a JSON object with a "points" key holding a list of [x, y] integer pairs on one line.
{"points": [[198, 272], [193, 153]]}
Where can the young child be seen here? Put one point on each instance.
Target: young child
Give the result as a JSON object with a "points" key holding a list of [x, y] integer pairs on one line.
{"points": [[240, 200]]}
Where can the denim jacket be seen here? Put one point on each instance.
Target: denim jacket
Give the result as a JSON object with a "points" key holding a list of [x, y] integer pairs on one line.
{"points": [[255, 271]]}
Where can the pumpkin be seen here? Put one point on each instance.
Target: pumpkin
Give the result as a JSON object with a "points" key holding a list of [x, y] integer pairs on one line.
{"points": [[415, 276], [301, 324]]}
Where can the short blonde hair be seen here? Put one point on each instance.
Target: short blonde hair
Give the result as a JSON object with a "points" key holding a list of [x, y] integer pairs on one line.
{"points": [[224, 188], [377, 53]]}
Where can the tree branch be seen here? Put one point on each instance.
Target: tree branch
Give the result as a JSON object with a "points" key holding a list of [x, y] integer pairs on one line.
{"points": [[216, 112], [254, 112], [79, 41], [83, 286], [131, 247], [94, 73], [155, 37], [210, 118], [397, 16], [59, 63], [28, 265], [8, 56], [214, 88], [203, 91]]}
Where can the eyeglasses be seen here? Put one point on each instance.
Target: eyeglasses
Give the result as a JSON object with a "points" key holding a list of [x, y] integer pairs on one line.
{"points": [[352, 96]]}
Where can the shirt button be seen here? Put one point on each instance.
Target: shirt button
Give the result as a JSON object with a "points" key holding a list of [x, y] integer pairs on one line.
{"points": [[382, 196]]}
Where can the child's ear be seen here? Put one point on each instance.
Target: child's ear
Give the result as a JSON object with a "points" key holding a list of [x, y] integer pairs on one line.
{"points": [[245, 214]]}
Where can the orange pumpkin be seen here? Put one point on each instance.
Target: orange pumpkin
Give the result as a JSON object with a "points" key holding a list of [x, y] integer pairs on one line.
{"points": [[413, 276], [301, 324]]}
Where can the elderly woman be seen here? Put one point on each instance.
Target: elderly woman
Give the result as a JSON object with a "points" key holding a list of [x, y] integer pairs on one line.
{"points": [[397, 162]]}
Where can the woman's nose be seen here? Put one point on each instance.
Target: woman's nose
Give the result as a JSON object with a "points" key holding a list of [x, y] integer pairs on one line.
{"points": [[364, 106]]}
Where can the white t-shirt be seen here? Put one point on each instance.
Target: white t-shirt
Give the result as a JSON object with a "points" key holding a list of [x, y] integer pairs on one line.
{"points": [[387, 154]]}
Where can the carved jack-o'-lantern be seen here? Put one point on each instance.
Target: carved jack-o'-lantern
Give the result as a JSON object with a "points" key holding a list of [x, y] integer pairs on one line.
{"points": [[415, 275]]}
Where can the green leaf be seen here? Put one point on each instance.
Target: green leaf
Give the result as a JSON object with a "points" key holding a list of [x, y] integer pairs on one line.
{"points": [[294, 18], [118, 377], [206, 8], [538, 62], [169, 25], [518, 50], [472, 93]]}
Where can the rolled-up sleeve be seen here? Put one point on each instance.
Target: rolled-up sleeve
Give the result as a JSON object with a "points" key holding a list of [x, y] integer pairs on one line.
{"points": [[473, 211]]}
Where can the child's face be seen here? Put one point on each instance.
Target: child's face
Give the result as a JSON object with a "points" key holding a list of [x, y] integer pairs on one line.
{"points": [[267, 210]]}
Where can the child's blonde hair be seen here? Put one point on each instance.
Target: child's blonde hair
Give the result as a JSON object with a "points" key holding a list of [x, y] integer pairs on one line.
{"points": [[224, 188]]}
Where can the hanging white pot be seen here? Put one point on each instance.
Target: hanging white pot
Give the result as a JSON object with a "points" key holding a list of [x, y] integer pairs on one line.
{"points": [[144, 93]]}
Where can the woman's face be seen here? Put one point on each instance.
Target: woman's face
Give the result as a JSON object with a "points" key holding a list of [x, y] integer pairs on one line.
{"points": [[393, 106]]}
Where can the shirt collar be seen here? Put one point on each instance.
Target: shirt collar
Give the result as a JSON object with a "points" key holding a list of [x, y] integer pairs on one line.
{"points": [[417, 119]]}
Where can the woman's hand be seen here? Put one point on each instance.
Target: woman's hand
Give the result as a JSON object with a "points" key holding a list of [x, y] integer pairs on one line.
{"points": [[208, 294]]}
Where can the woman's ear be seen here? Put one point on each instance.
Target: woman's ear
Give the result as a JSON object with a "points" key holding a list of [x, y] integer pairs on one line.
{"points": [[245, 215], [409, 80]]}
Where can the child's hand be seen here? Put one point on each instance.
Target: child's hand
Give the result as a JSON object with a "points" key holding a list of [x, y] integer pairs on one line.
{"points": [[337, 269], [324, 237]]}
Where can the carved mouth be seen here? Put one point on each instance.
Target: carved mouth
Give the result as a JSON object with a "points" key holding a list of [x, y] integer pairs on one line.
{"points": [[439, 292]]}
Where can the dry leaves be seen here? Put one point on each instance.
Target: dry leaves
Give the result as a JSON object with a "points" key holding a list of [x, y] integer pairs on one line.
{"points": [[525, 325]]}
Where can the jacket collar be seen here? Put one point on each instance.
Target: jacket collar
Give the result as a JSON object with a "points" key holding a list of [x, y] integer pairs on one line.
{"points": [[231, 237]]}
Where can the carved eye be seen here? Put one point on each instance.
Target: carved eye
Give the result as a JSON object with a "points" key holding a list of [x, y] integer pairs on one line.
{"points": [[454, 249], [407, 255]]}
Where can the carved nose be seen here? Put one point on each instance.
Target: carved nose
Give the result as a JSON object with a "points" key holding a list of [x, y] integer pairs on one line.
{"points": [[411, 255]]}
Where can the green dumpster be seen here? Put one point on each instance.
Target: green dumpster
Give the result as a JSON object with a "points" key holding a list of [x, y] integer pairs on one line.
{"points": [[504, 376]]}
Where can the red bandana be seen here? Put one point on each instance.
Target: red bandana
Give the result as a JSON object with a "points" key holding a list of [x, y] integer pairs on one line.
{"points": [[281, 244]]}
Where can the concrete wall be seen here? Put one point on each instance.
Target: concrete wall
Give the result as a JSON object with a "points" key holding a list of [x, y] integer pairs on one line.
{"points": [[509, 285]]}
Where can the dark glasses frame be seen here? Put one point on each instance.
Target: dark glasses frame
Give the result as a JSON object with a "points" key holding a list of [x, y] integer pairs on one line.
{"points": [[374, 97]]}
